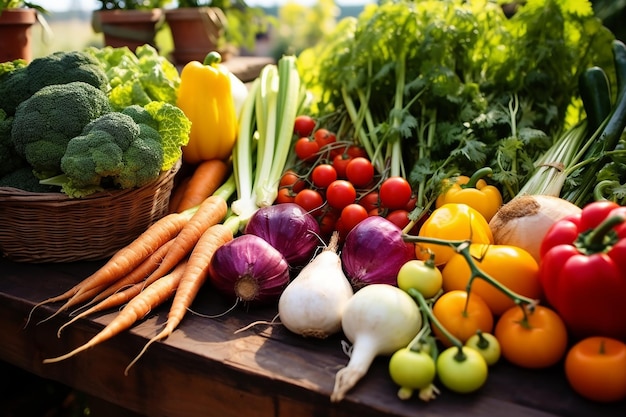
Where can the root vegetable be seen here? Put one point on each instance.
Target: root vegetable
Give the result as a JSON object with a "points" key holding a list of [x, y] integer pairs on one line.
{"points": [[379, 319], [312, 304]]}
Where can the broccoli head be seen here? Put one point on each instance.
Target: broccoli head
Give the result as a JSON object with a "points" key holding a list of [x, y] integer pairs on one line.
{"points": [[45, 122], [112, 150], [24, 179], [57, 68], [9, 158]]}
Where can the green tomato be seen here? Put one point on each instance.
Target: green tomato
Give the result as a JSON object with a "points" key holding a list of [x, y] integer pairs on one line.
{"points": [[487, 345], [422, 276], [411, 370], [463, 374]]}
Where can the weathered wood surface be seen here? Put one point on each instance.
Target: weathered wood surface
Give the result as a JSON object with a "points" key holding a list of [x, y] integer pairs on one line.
{"points": [[205, 369]]}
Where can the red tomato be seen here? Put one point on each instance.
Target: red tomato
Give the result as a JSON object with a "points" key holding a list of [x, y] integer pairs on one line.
{"points": [[398, 217], [370, 201], [292, 180], [340, 162], [310, 200], [304, 125], [360, 171], [340, 193], [306, 149], [324, 137], [355, 151], [323, 175], [352, 214], [285, 195], [328, 222], [395, 192]]}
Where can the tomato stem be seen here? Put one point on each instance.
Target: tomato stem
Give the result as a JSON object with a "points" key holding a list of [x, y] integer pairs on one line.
{"points": [[463, 248], [426, 310]]}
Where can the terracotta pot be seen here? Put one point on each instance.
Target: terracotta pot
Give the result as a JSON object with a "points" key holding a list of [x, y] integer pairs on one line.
{"points": [[195, 32], [131, 28], [15, 34]]}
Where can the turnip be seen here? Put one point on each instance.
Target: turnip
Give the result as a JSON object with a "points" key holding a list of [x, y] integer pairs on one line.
{"points": [[378, 320]]}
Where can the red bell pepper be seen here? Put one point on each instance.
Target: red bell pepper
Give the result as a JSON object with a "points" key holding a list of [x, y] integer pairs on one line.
{"points": [[583, 270]]}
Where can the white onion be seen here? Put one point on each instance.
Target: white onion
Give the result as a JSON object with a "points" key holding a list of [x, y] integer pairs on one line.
{"points": [[524, 221]]}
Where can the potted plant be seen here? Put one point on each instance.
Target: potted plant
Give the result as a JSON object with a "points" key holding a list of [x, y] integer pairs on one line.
{"points": [[130, 23], [16, 20], [201, 26]]}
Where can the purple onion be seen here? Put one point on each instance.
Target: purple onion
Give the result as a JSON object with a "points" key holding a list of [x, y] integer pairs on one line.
{"points": [[290, 229], [373, 252], [250, 269]]}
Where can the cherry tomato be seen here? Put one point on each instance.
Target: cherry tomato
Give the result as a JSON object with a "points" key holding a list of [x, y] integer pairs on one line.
{"points": [[422, 276], [360, 171], [340, 193], [324, 137], [323, 175], [487, 345], [462, 372], [395, 192], [310, 200], [355, 151], [370, 201], [291, 179], [306, 149], [411, 370], [398, 217], [285, 195], [595, 368], [340, 162], [328, 222], [352, 214], [461, 316], [304, 125], [539, 341]]}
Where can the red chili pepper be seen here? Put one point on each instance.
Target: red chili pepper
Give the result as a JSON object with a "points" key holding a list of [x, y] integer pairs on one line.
{"points": [[583, 270]]}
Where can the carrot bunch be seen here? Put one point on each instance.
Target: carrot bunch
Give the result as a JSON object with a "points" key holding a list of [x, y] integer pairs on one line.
{"points": [[168, 260]]}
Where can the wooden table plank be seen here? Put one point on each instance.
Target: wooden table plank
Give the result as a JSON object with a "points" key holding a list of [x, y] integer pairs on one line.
{"points": [[205, 369]]}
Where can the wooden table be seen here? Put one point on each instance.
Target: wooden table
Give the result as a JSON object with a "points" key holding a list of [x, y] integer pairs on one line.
{"points": [[205, 369]]}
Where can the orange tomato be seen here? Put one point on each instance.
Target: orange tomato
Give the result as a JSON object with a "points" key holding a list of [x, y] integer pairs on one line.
{"points": [[511, 266], [537, 341], [461, 315], [595, 368]]}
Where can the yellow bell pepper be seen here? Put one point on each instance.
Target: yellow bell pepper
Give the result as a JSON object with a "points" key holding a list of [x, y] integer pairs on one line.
{"points": [[474, 192], [452, 221], [205, 96]]}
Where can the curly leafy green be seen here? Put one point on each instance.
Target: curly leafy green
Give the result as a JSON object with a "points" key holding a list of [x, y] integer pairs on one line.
{"points": [[435, 88]]}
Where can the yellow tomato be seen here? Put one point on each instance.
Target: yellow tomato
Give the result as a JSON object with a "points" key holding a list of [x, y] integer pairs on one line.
{"points": [[452, 221], [511, 266], [461, 316]]}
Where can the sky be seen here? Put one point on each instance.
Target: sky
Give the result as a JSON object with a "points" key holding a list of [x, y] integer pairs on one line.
{"points": [[63, 5]]}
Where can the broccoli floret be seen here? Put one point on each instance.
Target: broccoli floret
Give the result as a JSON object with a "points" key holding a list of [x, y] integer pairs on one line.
{"points": [[24, 179], [45, 122], [140, 115], [112, 150], [57, 68], [9, 158]]}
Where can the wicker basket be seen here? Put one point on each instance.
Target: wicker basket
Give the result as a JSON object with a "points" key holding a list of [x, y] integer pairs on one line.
{"points": [[51, 227]]}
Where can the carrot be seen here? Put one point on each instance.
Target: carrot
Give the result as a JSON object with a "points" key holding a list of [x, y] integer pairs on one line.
{"points": [[177, 194], [206, 178], [138, 307], [114, 299], [194, 276], [138, 276], [211, 211], [123, 261]]}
